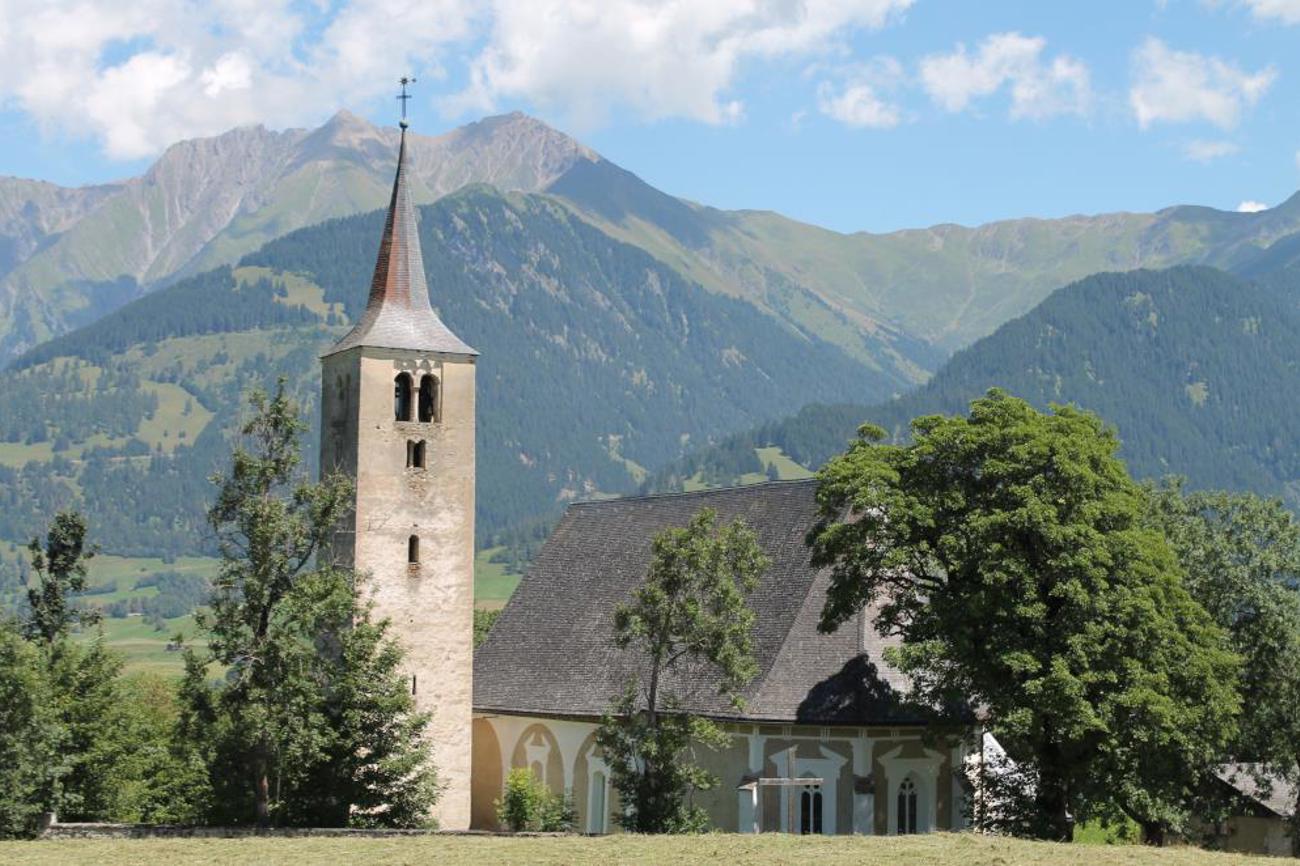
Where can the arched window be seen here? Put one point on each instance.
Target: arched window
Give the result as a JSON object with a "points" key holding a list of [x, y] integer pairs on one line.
{"points": [[413, 550], [428, 397], [810, 812], [402, 397], [907, 807], [596, 818]]}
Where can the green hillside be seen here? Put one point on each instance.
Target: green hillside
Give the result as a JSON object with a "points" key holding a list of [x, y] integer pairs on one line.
{"points": [[599, 364], [1196, 368]]}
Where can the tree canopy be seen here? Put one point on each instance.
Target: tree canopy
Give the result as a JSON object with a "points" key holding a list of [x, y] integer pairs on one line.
{"points": [[1008, 551]]}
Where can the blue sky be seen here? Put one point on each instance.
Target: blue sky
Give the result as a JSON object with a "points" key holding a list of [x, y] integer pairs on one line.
{"points": [[855, 114]]}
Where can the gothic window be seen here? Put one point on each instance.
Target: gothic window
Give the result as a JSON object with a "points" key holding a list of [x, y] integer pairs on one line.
{"points": [[402, 397], [907, 807], [428, 397], [810, 812], [413, 550]]}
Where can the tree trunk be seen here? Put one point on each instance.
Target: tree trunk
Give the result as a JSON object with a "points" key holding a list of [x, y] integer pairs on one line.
{"points": [[1153, 834], [263, 785], [1052, 797]]}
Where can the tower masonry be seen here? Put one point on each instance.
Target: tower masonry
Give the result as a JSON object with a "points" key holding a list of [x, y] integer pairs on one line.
{"points": [[397, 415]]}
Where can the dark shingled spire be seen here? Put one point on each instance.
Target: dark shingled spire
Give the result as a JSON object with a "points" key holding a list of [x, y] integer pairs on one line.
{"points": [[398, 315]]}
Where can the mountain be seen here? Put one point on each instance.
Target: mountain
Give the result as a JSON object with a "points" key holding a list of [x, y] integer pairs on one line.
{"points": [[1196, 368], [899, 302], [599, 363], [69, 256]]}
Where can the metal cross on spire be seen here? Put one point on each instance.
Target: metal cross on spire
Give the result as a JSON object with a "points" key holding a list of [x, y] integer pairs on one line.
{"points": [[404, 96]]}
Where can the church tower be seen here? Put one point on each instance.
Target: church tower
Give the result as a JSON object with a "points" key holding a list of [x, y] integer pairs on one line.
{"points": [[397, 415]]}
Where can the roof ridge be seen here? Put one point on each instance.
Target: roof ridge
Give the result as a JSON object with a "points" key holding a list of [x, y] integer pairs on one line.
{"points": [[639, 497]]}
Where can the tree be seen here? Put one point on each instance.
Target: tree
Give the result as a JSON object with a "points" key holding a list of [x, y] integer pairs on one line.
{"points": [[28, 734], [58, 571], [313, 723], [690, 610], [1008, 552], [1241, 555]]}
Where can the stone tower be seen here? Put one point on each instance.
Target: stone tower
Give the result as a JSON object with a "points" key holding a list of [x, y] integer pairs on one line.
{"points": [[397, 415]]}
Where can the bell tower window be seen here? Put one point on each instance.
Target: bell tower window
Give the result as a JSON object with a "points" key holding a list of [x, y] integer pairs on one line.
{"points": [[402, 397], [428, 397]]}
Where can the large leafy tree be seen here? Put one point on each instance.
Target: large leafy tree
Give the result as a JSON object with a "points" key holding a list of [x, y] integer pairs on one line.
{"points": [[1008, 551], [1241, 555], [690, 611], [313, 722]]}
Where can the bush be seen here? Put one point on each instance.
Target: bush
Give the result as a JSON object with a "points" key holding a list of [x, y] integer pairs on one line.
{"points": [[528, 805]]}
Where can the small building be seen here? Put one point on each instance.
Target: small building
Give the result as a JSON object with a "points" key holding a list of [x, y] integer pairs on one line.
{"points": [[1265, 805], [824, 708]]}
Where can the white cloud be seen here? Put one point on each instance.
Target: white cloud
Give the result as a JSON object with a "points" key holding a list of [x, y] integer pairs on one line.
{"points": [[1202, 150], [1180, 86], [1249, 206], [1038, 88], [138, 76], [658, 58], [1286, 11], [857, 99]]}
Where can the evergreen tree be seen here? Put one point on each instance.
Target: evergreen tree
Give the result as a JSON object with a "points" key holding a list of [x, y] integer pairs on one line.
{"points": [[1008, 551], [28, 734], [313, 723], [691, 610]]}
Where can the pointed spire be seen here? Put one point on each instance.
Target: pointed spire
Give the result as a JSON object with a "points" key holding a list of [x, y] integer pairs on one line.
{"points": [[398, 314]]}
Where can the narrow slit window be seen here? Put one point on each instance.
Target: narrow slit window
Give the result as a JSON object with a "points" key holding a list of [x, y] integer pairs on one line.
{"points": [[413, 550], [412, 683], [428, 397], [410, 453], [402, 397], [417, 454]]}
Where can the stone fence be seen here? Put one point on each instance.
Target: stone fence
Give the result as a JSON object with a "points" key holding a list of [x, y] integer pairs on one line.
{"points": [[56, 830]]}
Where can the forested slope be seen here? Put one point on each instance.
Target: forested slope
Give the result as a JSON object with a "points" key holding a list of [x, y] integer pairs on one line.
{"points": [[1197, 369], [598, 364]]}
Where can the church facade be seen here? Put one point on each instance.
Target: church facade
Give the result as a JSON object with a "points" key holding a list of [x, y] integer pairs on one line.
{"points": [[823, 744]]}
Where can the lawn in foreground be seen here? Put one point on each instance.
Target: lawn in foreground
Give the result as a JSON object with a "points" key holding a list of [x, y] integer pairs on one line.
{"points": [[934, 850]]}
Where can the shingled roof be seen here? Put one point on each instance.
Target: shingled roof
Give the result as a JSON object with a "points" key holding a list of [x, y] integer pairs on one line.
{"points": [[550, 652], [398, 314]]}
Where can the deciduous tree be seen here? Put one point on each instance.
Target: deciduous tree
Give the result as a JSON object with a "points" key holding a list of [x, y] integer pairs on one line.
{"points": [[692, 610], [1241, 555], [1008, 551]]}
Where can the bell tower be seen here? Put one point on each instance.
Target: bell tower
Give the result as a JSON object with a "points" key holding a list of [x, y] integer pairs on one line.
{"points": [[397, 415]]}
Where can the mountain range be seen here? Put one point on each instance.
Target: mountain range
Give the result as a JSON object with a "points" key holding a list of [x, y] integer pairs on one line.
{"points": [[623, 329]]}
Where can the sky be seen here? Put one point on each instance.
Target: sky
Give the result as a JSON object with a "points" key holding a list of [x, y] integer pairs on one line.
{"points": [[853, 114]]}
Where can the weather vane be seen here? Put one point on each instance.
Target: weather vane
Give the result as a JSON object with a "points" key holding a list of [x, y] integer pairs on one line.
{"points": [[405, 80]]}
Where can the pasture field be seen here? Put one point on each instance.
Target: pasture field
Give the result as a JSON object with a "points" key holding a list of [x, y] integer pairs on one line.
{"points": [[942, 849]]}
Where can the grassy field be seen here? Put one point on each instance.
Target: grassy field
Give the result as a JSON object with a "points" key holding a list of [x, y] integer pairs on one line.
{"points": [[934, 850]]}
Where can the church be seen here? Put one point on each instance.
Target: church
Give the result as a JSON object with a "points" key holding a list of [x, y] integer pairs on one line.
{"points": [[823, 745]]}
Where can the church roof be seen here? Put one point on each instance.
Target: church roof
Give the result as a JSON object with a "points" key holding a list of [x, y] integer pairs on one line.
{"points": [[550, 652], [398, 314]]}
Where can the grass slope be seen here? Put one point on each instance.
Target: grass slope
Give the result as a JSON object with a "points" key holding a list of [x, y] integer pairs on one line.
{"points": [[939, 849]]}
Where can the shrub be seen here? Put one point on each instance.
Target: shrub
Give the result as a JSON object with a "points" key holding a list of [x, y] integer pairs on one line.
{"points": [[528, 805]]}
